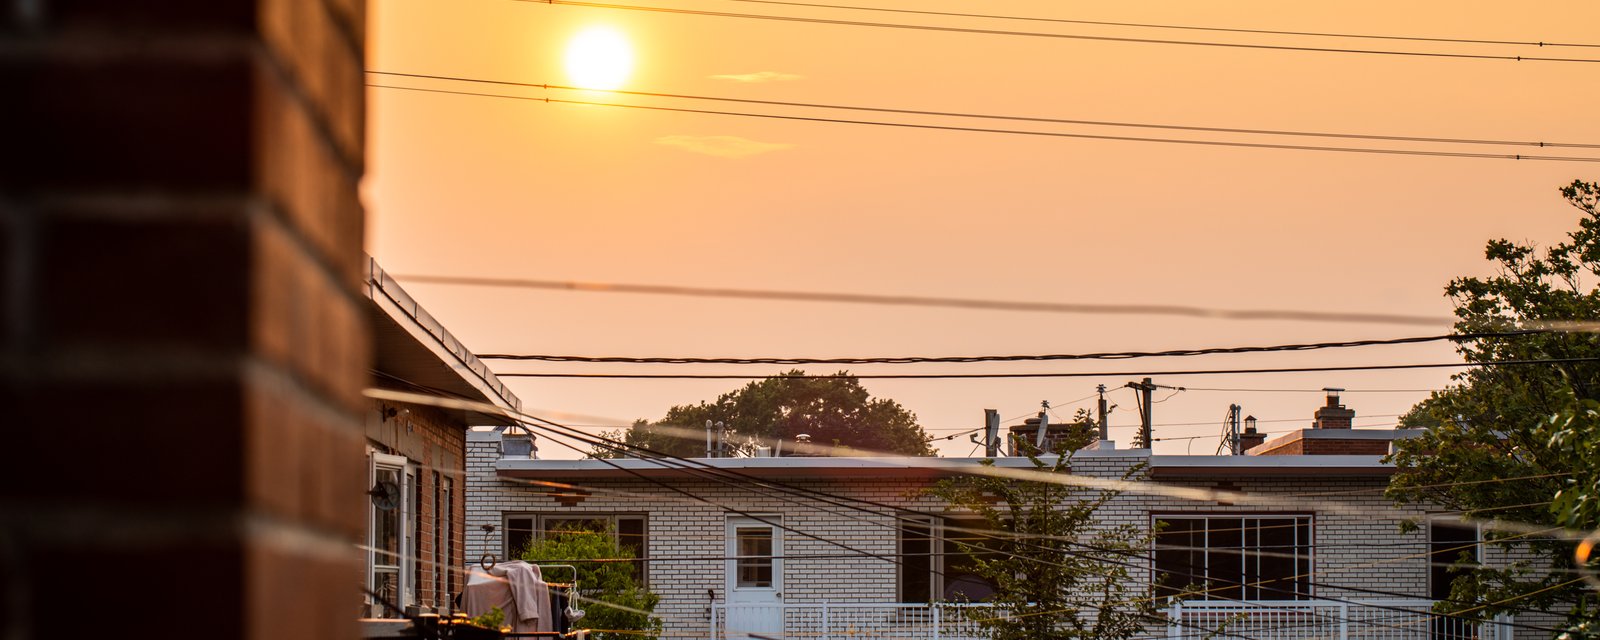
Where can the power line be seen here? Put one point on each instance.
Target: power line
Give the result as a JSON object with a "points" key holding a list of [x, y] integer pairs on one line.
{"points": [[1059, 36], [931, 301], [1111, 355], [953, 114], [1073, 374], [1020, 132], [1319, 34]]}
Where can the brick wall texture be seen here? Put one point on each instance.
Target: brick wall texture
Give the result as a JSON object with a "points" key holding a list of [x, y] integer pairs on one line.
{"points": [[1357, 536], [180, 326], [435, 443]]}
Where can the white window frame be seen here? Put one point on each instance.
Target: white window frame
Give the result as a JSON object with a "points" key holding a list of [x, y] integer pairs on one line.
{"points": [[1309, 545], [407, 564], [731, 567]]}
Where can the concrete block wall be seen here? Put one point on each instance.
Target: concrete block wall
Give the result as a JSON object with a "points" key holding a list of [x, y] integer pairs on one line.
{"points": [[180, 249]]}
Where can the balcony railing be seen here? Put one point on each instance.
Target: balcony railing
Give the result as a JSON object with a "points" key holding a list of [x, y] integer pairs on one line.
{"points": [[1258, 620], [1301, 619], [830, 621]]}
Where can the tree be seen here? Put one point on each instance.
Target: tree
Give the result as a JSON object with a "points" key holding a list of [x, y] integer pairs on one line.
{"points": [[1495, 424], [834, 410], [1057, 574], [617, 600]]}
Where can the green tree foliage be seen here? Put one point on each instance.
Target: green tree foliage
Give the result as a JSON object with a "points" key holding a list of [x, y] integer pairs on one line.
{"points": [[1495, 423], [834, 410], [1058, 574], [1576, 432], [622, 603]]}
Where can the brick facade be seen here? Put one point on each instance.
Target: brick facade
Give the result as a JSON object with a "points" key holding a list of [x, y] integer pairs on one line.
{"points": [[180, 241], [434, 443]]}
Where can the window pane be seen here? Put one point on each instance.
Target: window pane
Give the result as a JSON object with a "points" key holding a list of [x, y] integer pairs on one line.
{"points": [[964, 543], [754, 566], [631, 538], [916, 562], [386, 522], [1274, 567], [1225, 558], [1447, 544], [1180, 556], [519, 533]]}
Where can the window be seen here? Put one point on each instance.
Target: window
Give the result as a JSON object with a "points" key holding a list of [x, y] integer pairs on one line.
{"points": [[1449, 543], [413, 521], [1249, 557], [390, 563], [447, 522], [934, 564], [440, 563], [957, 573], [917, 560], [627, 530], [753, 568]]}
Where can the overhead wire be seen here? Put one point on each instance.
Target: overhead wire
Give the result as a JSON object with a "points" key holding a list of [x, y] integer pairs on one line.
{"points": [[1009, 118], [1064, 374], [1144, 25], [1104, 355], [1019, 132], [1060, 36]]}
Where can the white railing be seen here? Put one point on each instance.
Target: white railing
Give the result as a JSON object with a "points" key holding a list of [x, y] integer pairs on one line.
{"points": [[1194, 620], [838, 621], [1325, 619]]}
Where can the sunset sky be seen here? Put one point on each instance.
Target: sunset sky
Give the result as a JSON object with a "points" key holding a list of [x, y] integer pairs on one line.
{"points": [[477, 186]]}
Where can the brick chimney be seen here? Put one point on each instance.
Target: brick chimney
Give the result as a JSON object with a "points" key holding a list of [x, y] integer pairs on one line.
{"points": [[1333, 415], [1250, 438]]}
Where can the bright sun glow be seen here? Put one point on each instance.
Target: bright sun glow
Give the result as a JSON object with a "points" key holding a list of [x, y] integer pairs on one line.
{"points": [[599, 58]]}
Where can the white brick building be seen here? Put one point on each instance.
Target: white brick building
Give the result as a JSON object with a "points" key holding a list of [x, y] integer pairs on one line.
{"points": [[1344, 567]]}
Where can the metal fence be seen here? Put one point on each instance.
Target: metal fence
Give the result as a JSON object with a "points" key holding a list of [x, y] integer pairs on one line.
{"points": [[1331, 620]]}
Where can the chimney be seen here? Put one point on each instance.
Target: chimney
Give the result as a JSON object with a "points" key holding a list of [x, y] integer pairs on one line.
{"points": [[1250, 438], [518, 445], [1333, 415]]}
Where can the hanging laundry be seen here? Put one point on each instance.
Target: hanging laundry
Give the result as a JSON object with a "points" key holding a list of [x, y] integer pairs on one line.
{"points": [[517, 588]]}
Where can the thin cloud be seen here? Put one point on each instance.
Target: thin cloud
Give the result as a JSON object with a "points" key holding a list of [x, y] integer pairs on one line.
{"points": [[722, 146], [759, 76]]}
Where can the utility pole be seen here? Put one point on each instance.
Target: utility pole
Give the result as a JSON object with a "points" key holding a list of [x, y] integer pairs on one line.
{"points": [[1105, 428], [1230, 431], [1144, 387], [991, 433], [1143, 400]]}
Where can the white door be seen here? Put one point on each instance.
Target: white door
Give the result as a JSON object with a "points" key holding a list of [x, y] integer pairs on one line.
{"points": [[754, 578]]}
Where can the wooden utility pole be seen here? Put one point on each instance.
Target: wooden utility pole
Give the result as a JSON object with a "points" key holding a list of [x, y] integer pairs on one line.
{"points": [[1144, 388]]}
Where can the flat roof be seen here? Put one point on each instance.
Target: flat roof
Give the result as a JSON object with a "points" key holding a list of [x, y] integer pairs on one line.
{"points": [[1161, 466]]}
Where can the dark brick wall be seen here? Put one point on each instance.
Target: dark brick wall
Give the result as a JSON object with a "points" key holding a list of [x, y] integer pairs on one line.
{"points": [[436, 442], [182, 335]]}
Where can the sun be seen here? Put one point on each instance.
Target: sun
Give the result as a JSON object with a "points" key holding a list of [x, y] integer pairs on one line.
{"points": [[599, 58]]}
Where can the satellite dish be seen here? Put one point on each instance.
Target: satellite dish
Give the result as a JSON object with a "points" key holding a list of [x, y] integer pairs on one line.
{"points": [[385, 495]]}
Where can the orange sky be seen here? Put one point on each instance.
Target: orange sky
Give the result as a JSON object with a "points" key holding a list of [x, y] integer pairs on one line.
{"points": [[461, 185]]}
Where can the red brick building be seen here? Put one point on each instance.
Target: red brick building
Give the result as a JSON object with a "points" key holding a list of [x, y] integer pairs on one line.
{"points": [[416, 453]]}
